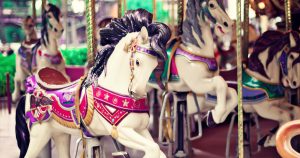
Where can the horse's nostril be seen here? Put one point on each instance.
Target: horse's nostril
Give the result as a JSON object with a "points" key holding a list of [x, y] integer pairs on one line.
{"points": [[226, 24], [294, 83], [55, 29], [62, 30]]}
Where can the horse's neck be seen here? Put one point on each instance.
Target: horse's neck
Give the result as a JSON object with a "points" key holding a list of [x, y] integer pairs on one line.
{"points": [[116, 76], [52, 45], [272, 70], [202, 48], [31, 37]]}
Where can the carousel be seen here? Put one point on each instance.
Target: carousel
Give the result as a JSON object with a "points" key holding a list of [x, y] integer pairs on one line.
{"points": [[149, 79]]}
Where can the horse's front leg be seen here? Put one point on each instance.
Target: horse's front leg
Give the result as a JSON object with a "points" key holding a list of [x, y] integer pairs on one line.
{"points": [[40, 134], [216, 84], [62, 143]]}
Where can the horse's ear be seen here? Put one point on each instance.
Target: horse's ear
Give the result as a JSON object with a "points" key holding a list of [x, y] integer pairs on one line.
{"points": [[292, 40], [143, 37]]}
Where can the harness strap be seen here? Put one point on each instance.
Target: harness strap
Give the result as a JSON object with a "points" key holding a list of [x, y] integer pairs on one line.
{"points": [[176, 45], [77, 111], [168, 124]]}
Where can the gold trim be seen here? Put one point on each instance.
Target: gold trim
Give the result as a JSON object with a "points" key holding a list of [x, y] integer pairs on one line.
{"points": [[269, 99], [63, 122], [90, 112]]}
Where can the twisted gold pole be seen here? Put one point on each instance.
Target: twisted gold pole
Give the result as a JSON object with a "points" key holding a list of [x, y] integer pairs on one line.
{"points": [[154, 9], [239, 80], [90, 30], [288, 17], [43, 5], [120, 8], [172, 13], [125, 6], [180, 4], [33, 10]]}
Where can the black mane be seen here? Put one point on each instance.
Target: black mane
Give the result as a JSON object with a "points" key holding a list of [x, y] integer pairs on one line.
{"points": [[191, 23], [132, 21], [44, 32], [275, 41]]}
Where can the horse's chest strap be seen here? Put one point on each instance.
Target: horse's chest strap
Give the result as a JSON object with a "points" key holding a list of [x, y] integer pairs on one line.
{"points": [[54, 59], [115, 107], [210, 62]]}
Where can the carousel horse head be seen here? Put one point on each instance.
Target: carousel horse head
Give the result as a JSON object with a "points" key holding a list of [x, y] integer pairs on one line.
{"points": [[51, 23], [28, 26], [291, 62], [214, 11], [282, 48], [131, 45], [200, 13]]}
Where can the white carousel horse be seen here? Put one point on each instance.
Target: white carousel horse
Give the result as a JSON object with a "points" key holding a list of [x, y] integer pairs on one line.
{"points": [[112, 97], [273, 65], [36, 54], [192, 64]]}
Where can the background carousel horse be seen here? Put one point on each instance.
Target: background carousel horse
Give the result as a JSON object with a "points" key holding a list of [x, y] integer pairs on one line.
{"points": [[112, 97], [24, 56], [273, 65], [227, 71], [45, 53], [192, 64]]}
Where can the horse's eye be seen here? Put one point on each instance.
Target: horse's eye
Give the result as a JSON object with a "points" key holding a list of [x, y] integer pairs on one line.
{"points": [[292, 57], [137, 62], [48, 16], [211, 5]]}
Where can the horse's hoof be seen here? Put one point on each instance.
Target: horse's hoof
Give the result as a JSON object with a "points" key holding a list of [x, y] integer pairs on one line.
{"points": [[210, 120], [274, 130], [262, 141], [121, 154], [180, 154]]}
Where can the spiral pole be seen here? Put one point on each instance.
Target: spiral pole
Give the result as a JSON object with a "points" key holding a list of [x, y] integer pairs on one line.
{"points": [[288, 17], [33, 10], [239, 80], [90, 31], [154, 9], [180, 4]]}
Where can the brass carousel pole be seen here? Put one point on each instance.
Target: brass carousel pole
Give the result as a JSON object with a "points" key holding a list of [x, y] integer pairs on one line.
{"points": [[90, 30], [172, 13], [43, 5], [239, 80], [288, 17], [33, 10], [154, 9], [246, 31], [180, 15], [120, 8], [125, 6]]}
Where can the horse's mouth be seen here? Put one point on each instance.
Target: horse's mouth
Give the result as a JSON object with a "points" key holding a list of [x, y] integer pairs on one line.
{"points": [[221, 30]]}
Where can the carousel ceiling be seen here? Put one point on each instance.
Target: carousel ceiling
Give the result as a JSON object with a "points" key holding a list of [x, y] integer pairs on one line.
{"points": [[273, 8]]}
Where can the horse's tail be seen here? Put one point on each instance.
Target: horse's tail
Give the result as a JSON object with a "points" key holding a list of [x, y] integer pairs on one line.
{"points": [[22, 132]]}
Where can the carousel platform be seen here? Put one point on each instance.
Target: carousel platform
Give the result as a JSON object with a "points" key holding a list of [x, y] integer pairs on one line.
{"points": [[211, 145]]}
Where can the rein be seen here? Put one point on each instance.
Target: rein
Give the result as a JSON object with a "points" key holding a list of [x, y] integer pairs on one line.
{"points": [[283, 62], [134, 48]]}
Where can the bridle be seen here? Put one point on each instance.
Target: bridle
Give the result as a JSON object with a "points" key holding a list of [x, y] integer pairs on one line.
{"points": [[133, 49], [283, 62]]}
